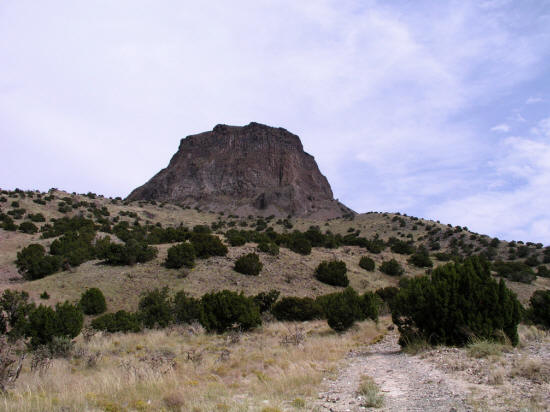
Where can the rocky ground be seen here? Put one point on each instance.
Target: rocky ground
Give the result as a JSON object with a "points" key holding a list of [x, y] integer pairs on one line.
{"points": [[446, 379]]}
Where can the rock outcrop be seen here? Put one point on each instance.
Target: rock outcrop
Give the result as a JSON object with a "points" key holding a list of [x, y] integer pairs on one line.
{"points": [[254, 169]]}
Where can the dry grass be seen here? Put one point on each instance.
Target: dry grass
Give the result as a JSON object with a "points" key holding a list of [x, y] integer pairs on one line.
{"points": [[174, 370], [482, 348], [369, 393], [534, 369]]}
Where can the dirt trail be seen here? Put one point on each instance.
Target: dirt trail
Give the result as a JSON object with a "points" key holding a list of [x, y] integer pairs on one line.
{"points": [[408, 383]]}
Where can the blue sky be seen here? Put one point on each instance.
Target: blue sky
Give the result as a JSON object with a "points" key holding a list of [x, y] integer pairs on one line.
{"points": [[437, 109]]}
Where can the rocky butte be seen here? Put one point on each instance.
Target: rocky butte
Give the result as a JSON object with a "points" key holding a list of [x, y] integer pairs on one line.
{"points": [[253, 169]]}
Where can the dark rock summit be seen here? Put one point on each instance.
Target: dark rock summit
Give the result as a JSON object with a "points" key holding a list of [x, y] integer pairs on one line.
{"points": [[254, 169]]}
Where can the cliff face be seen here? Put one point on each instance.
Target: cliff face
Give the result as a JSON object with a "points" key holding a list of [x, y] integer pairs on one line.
{"points": [[254, 169]]}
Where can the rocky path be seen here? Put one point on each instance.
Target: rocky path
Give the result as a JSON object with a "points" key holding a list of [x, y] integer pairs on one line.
{"points": [[407, 383]]}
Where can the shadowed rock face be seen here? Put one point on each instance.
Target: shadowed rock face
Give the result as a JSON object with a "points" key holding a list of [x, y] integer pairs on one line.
{"points": [[254, 169]]}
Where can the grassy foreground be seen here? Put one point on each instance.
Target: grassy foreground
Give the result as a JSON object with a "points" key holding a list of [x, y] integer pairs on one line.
{"points": [[279, 366]]}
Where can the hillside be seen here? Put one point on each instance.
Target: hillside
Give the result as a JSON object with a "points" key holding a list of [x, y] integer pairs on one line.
{"points": [[289, 272]]}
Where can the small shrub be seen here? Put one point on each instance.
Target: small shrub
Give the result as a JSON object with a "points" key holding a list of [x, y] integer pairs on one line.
{"points": [[33, 262], [120, 321], [132, 252], [207, 245], [401, 247], [28, 227], [235, 238], [367, 263], [515, 271], [301, 245], [93, 302], [392, 268], [45, 322], [249, 264], [540, 307], [155, 308], [38, 217], [387, 294], [343, 309], [531, 261], [180, 255], [186, 309], [269, 248], [44, 295], [543, 271], [225, 310], [421, 258], [332, 273], [265, 300], [297, 309]]}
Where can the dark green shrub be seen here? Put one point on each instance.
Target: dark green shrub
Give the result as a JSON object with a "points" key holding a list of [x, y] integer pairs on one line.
{"points": [[300, 244], [33, 262], [539, 312], [392, 267], [93, 302], [180, 255], [38, 217], [155, 309], [186, 309], [207, 245], [515, 271], [456, 303], [343, 309], [387, 294], [202, 229], [44, 295], [66, 224], [442, 256], [44, 323], [270, 248], [130, 253], [523, 251], [249, 264], [367, 263], [235, 238], [14, 310], [265, 300], [41, 327], [28, 227], [370, 305], [297, 309], [69, 319], [74, 248], [120, 321], [8, 223], [225, 310], [543, 271], [332, 273], [421, 258], [400, 246], [530, 261]]}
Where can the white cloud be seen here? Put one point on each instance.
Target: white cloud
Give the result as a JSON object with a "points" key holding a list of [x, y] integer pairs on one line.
{"points": [[501, 128], [519, 211], [534, 100]]}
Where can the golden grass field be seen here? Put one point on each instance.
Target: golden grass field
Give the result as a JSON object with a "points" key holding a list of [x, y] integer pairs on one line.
{"points": [[279, 366]]}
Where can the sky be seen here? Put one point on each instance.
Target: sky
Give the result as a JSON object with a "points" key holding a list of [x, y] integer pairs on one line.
{"points": [[436, 109]]}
